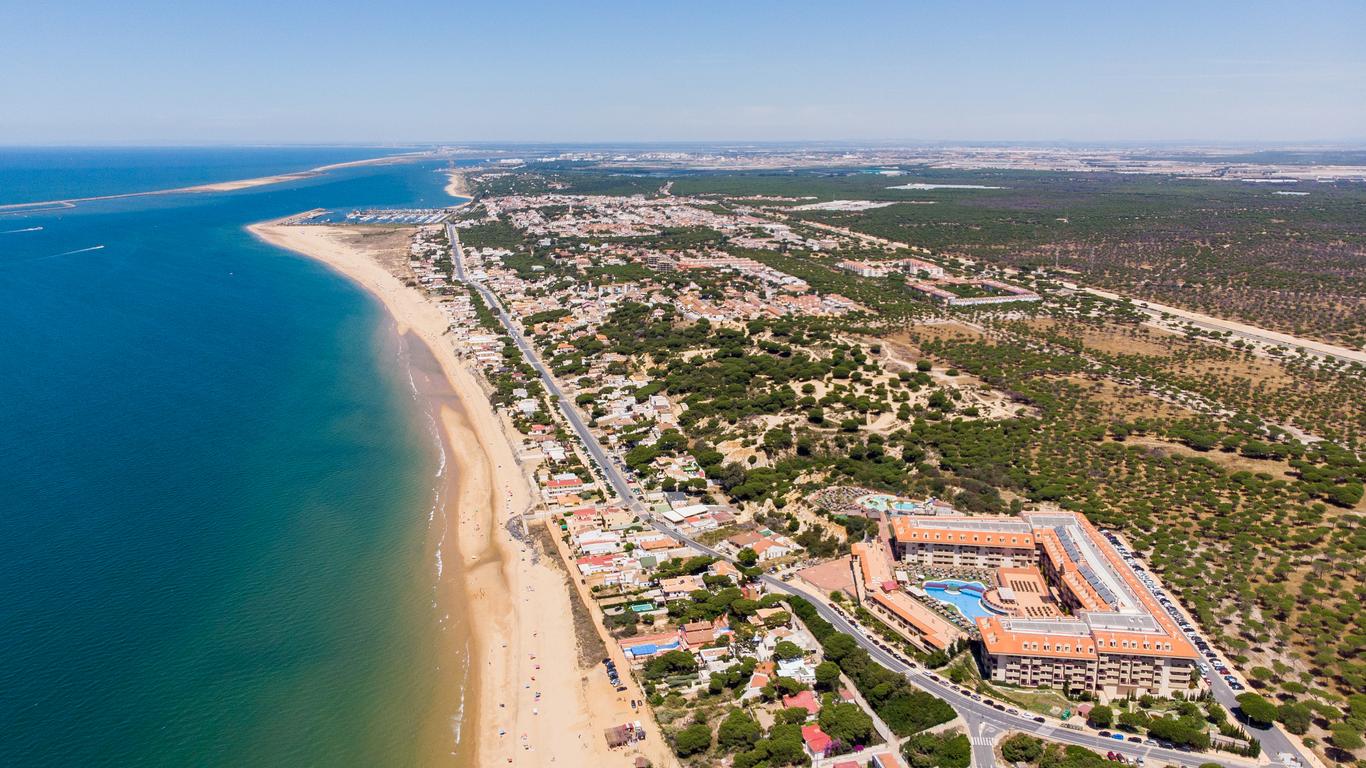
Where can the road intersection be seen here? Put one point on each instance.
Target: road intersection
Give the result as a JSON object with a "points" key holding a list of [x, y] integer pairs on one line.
{"points": [[985, 723]]}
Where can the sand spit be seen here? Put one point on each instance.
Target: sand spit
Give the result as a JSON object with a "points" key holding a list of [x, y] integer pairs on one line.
{"points": [[222, 186]]}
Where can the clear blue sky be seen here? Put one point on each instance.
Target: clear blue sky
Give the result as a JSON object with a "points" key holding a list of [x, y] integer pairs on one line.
{"points": [[145, 71]]}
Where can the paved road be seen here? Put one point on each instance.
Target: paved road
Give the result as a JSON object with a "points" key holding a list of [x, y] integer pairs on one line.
{"points": [[1275, 741], [985, 724], [457, 255], [1252, 333], [617, 481]]}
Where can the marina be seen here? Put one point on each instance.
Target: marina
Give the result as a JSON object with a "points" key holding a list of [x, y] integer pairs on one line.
{"points": [[398, 216], [378, 216]]}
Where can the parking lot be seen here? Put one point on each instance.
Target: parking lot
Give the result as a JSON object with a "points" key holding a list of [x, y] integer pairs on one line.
{"points": [[1212, 665]]}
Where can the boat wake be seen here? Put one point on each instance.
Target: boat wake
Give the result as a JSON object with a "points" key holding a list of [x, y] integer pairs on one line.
{"points": [[78, 250], [55, 255], [25, 229]]}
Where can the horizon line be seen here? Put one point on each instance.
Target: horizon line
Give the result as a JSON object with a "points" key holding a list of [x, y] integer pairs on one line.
{"points": [[1355, 143]]}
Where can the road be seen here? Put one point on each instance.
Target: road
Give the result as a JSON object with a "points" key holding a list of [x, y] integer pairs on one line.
{"points": [[1252, 333], [590, 443], [1275, 741], [1210, 323], [985, 724]]}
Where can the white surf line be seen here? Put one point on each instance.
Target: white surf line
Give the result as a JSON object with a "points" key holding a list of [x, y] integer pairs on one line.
{"points": [[17, 231], [15, 209]]}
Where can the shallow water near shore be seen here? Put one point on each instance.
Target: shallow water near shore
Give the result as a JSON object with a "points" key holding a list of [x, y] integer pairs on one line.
{"points": [[215, 528]]}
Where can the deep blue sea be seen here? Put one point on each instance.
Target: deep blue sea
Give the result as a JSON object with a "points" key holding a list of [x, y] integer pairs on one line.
{"points": [[213, 477], [53, 173]]}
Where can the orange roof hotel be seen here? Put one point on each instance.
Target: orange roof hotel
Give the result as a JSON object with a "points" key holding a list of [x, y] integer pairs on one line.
{"points": [[1071, 614]]}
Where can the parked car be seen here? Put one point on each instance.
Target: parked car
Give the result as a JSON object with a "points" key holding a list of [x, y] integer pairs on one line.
{"points": [[1038, 720]]}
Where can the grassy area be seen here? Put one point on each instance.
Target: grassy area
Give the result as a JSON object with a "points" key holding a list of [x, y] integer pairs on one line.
{"points": [[964, 671]]}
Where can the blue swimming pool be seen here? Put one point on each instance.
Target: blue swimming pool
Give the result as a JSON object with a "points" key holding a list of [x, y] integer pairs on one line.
{"points": [[881, 502], [965, 596]]}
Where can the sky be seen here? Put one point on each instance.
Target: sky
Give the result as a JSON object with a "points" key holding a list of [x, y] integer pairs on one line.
{"points": [[153, 72]]}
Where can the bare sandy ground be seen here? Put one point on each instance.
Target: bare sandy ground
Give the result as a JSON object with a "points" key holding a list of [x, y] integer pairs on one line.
{"points": [[458, 185], [529, 702]]}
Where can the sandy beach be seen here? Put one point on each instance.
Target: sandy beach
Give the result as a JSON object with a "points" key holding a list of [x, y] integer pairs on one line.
{"points": [[457, 185], [532, 699]]}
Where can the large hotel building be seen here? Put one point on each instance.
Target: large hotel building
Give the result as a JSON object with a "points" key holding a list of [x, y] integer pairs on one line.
{"points": [[1068, 612]]}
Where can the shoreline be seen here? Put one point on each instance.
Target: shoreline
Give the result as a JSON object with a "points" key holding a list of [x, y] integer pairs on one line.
{"points": [[217, 186], [510, 619], [458, 185]]}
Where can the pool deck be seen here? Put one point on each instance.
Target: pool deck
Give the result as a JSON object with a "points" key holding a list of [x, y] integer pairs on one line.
{"points": [[967, 602]]}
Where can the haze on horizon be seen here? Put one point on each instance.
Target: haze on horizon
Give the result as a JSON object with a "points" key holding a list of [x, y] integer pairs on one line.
{"points": [[150, 71]]}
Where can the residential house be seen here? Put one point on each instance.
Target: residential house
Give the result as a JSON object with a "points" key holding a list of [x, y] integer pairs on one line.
{"points": [[680, 587], [804, 699], [815, 741], [798, 669]]}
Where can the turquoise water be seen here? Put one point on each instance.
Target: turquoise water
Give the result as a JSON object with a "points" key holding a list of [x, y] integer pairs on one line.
{"points": [[881, 502], [967, 603], [215, 485]]}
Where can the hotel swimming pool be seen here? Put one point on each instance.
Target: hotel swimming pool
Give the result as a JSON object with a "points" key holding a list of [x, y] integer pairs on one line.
{"points": [[881, 502], [966, 596]]}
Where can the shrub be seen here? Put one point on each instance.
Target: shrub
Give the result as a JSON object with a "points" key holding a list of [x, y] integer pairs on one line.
{"points": [[1257, 709], [738, 731], [692, 740], [1021, 748]]}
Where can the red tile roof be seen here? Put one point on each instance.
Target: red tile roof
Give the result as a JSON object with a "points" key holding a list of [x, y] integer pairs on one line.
{"points": [[805, 699], [815, 739]]}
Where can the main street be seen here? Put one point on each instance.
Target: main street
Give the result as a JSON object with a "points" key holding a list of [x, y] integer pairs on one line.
{"points": [[589, 441], [985, 724]]}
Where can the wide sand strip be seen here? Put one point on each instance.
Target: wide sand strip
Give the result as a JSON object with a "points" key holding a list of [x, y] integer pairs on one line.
{"points": [[529, 702], [457, 185]]}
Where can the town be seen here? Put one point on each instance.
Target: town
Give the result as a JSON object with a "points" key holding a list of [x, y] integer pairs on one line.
{"points": [[709, 588]]}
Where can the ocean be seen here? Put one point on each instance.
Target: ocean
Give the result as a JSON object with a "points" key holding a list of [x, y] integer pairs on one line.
{"points": [[215, 478]]}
